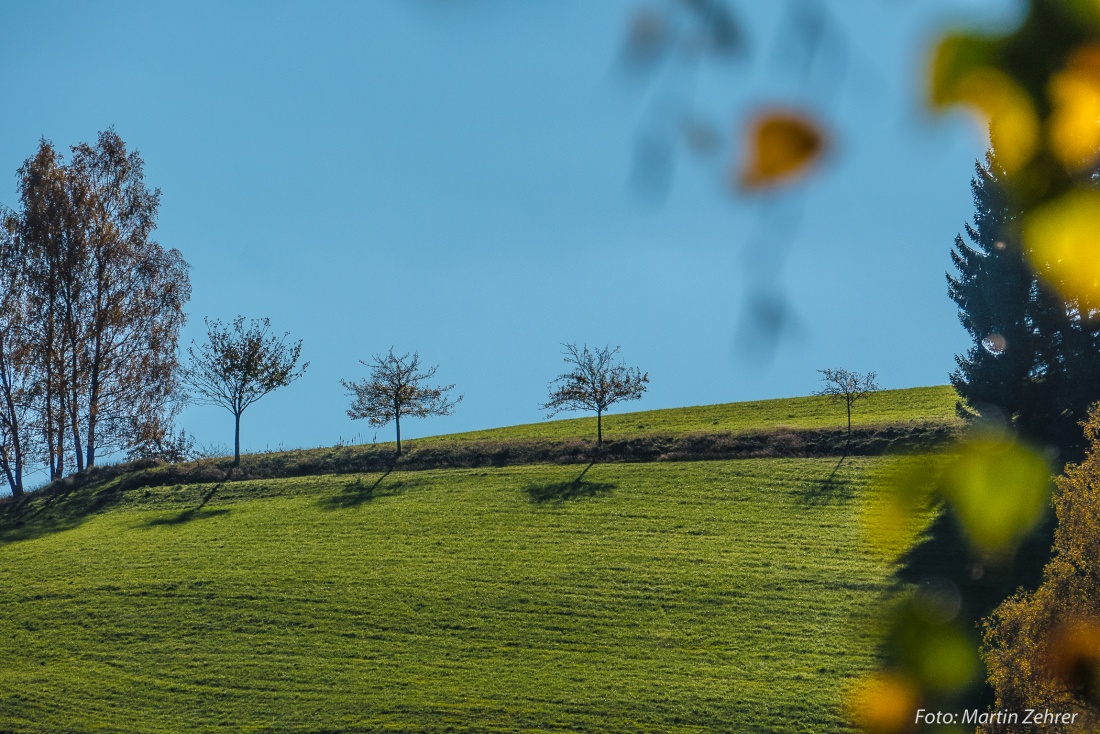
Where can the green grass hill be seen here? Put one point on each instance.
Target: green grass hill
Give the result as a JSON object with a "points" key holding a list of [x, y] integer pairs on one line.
{"points": [[614, 597], [912, 406]]}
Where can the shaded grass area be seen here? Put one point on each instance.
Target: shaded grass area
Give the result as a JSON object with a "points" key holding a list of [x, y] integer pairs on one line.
{"points": [[108, 481], [684, 597], [911, 406]]}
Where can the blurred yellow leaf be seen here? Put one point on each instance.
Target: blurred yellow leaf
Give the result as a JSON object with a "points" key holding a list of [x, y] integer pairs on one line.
{"points": [[1063, 241], [999, 490], [955, 57], [964, 71], [781, 146], [1075, 119], [883, 703], [901, 494]]}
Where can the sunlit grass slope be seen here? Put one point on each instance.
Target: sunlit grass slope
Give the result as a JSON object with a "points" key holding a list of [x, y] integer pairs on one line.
{"points": [[678, 597], [894, 407]]}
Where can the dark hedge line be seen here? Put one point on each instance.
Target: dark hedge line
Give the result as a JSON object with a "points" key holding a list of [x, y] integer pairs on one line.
{"points": [[365, 459]]}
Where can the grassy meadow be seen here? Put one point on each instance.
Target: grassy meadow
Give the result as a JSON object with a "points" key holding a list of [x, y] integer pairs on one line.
{"points": [[701, 596], [918, 405], [634, 597]]}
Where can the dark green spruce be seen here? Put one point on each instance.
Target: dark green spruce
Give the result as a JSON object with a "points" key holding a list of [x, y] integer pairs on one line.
{"points": [[1035, 360]]}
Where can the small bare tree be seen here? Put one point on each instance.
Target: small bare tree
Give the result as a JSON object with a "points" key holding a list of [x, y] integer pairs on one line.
{"points": [[238, 366], [595, 383], [849, 386], [395, 389]]}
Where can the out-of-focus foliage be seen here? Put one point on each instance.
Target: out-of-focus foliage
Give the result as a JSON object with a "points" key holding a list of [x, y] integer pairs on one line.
{"points": [[1043, 648], [998, 489], [1064, 239], [883, 702], [669, 46], [1039, 89], [903, 492], [781, 146], [1036, 88], [995, 490]]}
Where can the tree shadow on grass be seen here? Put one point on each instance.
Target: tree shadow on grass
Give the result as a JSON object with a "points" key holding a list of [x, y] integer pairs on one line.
{"points": [[576, 488], [192, 513], [35, 516], [943, 555], [833, 488], [358, 492]]}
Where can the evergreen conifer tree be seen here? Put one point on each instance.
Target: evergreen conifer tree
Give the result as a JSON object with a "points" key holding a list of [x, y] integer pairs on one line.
{"points": [[1035, 360]]}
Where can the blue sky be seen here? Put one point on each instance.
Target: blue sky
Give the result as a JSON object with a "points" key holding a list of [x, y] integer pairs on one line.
{"points": [[454, 178]]}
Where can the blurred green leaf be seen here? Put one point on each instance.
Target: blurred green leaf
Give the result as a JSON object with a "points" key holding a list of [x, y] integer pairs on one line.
{"points": [[999, 490], [901, 497]]}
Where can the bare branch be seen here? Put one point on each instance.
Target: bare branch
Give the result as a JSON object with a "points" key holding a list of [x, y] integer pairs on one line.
{"points": [[847, 386], [237, 366], [394, 389], [594, 384]]}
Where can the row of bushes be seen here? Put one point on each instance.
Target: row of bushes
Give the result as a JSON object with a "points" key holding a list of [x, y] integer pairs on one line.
{"points": [[364, 459]]}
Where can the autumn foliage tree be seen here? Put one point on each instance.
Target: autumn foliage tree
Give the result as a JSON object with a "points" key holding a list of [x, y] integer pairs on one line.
{"points": [[93, 304], [1042, 648], [394, 389], [595, 383], [17, 364]]}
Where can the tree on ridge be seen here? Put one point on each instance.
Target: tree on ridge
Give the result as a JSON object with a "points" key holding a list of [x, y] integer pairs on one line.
{"points": [[595, 383], [1034, 359], [395, 389], [849, 387], [237, 366]]}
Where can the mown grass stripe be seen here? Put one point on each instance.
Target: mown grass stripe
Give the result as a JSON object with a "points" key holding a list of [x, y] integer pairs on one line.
{"points": [[681, 597]]}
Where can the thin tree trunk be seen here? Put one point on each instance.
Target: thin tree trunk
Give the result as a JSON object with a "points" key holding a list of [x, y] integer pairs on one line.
{"points": [[93, 406], [51, 445], [74, 402], [599, 428], [13, 468], [16, 490], [78, 453], [97, 363], [849, 421], [60, 437], [397, 419], [236, 438]]}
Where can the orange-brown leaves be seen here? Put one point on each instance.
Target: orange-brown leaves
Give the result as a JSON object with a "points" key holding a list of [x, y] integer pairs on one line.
{"points": [[780, 146], [1043, 648], [1073, 657], [883, 703]]}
